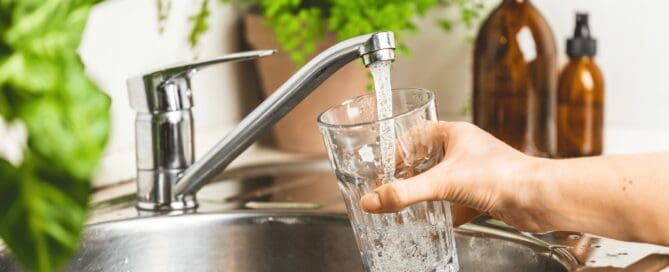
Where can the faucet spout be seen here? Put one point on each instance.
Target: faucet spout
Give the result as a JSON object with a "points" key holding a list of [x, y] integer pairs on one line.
{"points": [[379, 47], [370, 48]]}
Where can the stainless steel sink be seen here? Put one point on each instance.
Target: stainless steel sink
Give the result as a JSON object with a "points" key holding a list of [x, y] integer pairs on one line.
{"points": [[290, 217], [261, 241]]}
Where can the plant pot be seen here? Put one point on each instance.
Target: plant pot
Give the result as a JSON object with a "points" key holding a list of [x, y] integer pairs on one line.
{"points": [[298, 130]]}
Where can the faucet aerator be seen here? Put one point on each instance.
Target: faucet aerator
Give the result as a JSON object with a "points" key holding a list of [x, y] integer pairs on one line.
{"points": [[376, 56], [379, 47]]}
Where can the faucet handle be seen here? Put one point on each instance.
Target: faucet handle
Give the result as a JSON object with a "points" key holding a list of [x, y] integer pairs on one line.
{"points": [[168, 88], [190, 68]]}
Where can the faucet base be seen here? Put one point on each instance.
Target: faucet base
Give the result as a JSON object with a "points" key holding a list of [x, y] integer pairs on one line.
{"points": [[155, 191], [187, 202]]}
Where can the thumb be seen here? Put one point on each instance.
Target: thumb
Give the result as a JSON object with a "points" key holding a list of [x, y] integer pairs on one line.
{"points": [[397, 195]]}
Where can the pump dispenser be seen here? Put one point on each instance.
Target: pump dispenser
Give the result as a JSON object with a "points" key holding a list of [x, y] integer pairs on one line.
{"points": [[580, 96], [582, 44]]}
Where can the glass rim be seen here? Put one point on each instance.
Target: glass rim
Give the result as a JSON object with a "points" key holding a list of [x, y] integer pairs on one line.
{"points": [[422, 106]]}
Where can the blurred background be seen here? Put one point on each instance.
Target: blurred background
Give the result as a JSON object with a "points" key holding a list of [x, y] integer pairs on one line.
{"points": [[526, 75], [122, 40]]}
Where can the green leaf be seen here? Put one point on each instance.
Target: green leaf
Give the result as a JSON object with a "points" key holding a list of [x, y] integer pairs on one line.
{"points": [[29, 74], [300, 24], [41, 223], [297, 27], [445, 24], [163, 8], [346, 18], [43, 84], [199, 21], [469, 13]]}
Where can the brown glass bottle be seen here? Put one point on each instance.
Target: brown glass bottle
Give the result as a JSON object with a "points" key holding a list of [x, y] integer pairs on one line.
{"points": [[515, 78], [580, 97], [580, 109]]}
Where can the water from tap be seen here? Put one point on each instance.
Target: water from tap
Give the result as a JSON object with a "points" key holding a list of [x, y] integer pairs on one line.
{"points": [[384, 107]]}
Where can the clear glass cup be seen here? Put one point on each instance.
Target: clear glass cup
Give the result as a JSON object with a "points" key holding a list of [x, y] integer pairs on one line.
{"points": [[419, 238]]}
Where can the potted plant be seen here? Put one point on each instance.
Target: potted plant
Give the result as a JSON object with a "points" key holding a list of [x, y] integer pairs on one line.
{"points": [[54, 124], [303, 28]]}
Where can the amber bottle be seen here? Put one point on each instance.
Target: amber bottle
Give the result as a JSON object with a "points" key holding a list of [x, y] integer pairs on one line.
{"points": [[515, 78], [580, 96]]}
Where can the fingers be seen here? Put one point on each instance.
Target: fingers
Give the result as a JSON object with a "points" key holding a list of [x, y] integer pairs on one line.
{"points": [[388, 198], [424, 140], [395, 196], [418, 143]]}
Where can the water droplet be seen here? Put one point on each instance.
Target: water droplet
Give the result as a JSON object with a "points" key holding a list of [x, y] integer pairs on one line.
{"points": [[574, 236]]}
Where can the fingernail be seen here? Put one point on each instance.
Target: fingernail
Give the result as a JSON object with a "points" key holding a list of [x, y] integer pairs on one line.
{"points": [[371, 202]]}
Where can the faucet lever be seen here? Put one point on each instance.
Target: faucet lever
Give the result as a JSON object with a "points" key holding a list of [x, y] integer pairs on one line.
{"points": [[188, 69], [168, 88]]}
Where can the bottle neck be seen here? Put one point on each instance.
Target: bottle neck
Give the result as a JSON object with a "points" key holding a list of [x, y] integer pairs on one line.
{"points": [[580, 61], [581, 58]]}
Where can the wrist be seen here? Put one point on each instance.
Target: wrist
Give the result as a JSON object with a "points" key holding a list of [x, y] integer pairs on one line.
{"points": [[538, 195], [560, 197]]}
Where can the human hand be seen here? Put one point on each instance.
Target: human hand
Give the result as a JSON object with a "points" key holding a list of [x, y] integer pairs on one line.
{"points": [[478, 173]]}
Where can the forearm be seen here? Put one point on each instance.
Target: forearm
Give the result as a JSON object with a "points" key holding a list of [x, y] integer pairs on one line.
{"points": [[623, 197]]}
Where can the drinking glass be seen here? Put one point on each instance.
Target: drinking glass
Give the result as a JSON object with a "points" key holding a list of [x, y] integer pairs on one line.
{"points": [[420, 237]]}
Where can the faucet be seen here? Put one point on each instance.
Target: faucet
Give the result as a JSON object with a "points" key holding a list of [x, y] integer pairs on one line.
{"points": [[168, 176]]}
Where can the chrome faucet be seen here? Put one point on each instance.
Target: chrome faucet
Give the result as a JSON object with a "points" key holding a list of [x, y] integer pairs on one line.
{"points": [[167, 176]]}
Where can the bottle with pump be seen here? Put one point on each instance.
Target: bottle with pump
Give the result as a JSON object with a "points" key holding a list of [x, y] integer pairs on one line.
{"points": [[580, 96], [515, 78]]}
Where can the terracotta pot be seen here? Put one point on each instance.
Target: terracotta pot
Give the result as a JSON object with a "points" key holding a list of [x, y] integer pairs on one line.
{"points": [[298, 130]]}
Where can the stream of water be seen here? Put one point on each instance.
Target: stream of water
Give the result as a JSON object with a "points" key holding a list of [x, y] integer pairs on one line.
{"points": [[384, 108]]}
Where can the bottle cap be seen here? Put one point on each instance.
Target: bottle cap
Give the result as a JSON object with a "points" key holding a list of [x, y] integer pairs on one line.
{"points": [[582, 44]]}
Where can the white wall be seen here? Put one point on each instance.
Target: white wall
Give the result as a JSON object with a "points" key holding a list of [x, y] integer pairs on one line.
{"points": [[122, 40], [633, 52], [633, 39]]}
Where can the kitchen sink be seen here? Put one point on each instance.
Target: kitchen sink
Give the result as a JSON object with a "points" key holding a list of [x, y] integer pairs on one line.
{"points": [[290, 216], [276, 241]]}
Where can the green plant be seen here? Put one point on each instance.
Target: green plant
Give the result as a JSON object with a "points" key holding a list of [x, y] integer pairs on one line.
{"points": [[43, 86], [300, 24]]}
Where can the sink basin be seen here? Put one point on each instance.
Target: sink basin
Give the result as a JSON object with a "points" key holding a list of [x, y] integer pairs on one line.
{"points": [[276, 241]]}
